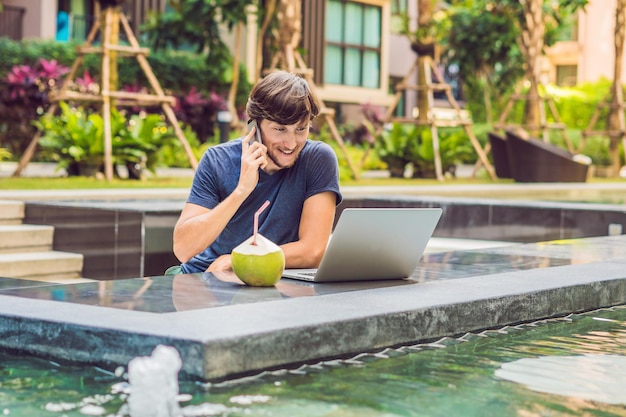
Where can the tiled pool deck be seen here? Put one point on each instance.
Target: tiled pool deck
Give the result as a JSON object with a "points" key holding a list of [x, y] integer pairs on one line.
{"points": [[224, 329]]}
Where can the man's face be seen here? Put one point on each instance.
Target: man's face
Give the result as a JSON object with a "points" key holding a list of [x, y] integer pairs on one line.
{"points": [[284, 143]]}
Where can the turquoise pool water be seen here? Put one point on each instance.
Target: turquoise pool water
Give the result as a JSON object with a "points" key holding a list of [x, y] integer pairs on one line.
{"points": [[561, 367]]}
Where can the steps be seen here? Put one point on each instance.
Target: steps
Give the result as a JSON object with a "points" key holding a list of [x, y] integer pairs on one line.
{"points": [[26, 250]]}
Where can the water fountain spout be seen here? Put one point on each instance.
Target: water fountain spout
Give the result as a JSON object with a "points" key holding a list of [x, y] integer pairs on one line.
{"points": [[154, 384]]}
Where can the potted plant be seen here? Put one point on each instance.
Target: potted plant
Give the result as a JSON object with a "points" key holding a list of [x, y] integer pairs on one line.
{"points": [[392, 146], [75, 139], [454, 147]]}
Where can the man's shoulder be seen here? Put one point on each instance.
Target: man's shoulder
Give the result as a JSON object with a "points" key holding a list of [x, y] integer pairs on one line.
{"points": [[318, 147], [232, 147]]}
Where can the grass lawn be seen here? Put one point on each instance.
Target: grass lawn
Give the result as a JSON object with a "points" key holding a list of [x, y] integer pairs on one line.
{"points": [[77, 183], [81, 183]]}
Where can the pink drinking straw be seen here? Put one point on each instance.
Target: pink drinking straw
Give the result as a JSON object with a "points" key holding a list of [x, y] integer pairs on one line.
{"points": [[256, 220]]}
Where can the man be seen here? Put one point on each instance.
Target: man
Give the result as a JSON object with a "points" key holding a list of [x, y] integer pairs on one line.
{"points": [[297, 175]]}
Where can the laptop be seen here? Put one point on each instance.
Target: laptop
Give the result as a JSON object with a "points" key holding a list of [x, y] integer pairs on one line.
{"points": [[373, 244]]}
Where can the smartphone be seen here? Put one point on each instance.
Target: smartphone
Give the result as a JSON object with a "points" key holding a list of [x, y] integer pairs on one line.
{"points": [[257, 138]]}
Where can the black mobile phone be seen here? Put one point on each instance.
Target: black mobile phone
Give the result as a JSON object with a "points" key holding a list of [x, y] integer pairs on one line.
{"points": [[257, 137]]}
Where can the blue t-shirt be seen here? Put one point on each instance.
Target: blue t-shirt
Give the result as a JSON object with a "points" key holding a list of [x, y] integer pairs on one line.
{"points": [[217, 175]]}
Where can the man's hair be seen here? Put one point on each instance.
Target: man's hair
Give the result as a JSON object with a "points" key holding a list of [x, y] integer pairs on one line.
{"points": [[282, 97]]}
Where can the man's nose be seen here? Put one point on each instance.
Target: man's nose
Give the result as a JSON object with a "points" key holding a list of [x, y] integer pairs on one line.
{"points": [[290, 140]]}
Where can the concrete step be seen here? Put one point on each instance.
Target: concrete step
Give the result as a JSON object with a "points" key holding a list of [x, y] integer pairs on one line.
{"points": [[41, 266], [19, 238], [11, 212]]}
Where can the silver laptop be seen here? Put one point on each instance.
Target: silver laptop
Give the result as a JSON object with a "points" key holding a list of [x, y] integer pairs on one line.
{"points": [[373, 244]]}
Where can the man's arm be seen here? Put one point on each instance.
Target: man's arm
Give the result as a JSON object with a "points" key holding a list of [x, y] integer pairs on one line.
{"points": [[198, 227], [316, 223]]}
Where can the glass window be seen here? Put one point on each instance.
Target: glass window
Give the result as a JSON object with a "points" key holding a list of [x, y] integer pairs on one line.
{"points": [[398, 6], [566, 75], [334, 22], [353, 42], [333, 65], [371, 36]]}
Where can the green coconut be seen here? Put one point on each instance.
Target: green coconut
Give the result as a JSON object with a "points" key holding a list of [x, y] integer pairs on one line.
{"points": [[260, 263]]}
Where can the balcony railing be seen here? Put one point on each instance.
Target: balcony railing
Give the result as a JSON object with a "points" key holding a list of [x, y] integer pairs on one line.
{"points": [[12, 22]]}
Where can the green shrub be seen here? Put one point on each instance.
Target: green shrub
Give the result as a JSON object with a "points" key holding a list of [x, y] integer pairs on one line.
{"points": [[74, 139], [181, 74], [176, 71], [5, 154]]}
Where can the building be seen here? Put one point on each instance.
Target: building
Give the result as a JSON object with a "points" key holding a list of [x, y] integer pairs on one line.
{"points": [[353, 46], [588, 54]]}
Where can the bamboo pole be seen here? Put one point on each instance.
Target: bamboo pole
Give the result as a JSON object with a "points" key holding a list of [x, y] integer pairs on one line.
{"points": [[106, 98]]}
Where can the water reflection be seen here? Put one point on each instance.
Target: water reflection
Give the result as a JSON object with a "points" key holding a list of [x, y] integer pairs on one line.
{"points": [[593, 377], [169, 294], [448, 377]]}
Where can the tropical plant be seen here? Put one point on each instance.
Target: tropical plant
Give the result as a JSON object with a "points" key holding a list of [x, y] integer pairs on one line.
{"points": [[538, 22], [405, 144], [393, 147], [23, 97], [199, 111], [74, 139], [482, 44], [198, 25], [5, 154], [454, 148]]}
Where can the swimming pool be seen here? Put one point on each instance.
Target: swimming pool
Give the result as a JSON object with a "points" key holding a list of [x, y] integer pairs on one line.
{"points": [[471, 375], [451, 293]]}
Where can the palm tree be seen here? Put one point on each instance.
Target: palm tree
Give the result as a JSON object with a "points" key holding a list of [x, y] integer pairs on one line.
{"points": [[615, 121], [615, 125], [531, 43]]}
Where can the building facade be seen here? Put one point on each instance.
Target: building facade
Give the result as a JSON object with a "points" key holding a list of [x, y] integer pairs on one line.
{"points": [[353, 46]]}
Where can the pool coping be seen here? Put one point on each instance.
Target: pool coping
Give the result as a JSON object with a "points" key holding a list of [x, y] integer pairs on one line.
{"points": [[242, 339]]}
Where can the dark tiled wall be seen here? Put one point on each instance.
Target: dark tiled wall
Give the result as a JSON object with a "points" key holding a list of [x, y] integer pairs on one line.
{"points": [[512, 221], [111, 241], [123, 243]]}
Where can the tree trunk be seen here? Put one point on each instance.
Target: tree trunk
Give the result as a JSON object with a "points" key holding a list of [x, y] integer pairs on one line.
{"points": [[270, 8], [289, 16], [232, 93], [487, 99], [616, 113], [532, 46], [424, 12]]}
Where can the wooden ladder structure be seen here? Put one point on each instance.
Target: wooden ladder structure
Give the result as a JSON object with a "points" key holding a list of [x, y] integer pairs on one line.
{"points": [[109, 98], [426, 64], [544, 126], [288, 58]]}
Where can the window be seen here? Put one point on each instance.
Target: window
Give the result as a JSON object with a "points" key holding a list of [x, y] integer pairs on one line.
{"points": [[566, 75], [353, 42], [398, 7], [399, 110]]}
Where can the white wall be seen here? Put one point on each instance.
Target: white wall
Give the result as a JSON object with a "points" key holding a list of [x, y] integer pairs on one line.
{"points": [[39, 19], [597, 41]]}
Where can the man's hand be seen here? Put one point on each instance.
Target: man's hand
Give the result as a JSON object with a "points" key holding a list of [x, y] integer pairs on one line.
{"points": [[253, 157], [223, 263]]}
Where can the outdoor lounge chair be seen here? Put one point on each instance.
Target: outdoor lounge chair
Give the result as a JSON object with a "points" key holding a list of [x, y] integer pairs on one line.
{"points": [[533, 160], [500, 155]]}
